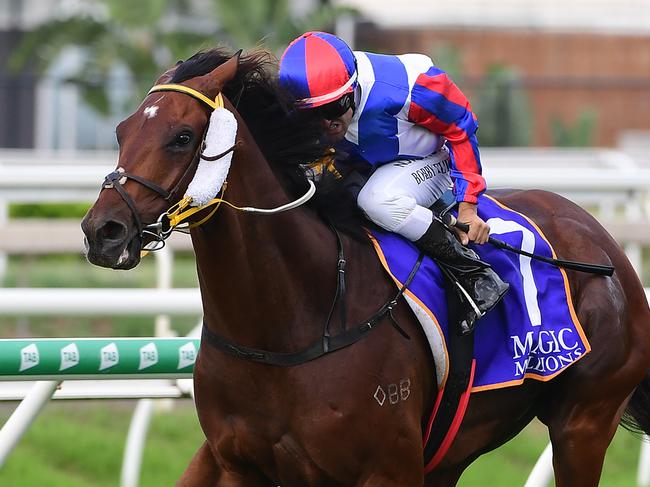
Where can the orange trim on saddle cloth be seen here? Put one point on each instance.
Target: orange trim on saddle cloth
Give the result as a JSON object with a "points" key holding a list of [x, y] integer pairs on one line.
{"points": [[407, 292], [574, 317]]}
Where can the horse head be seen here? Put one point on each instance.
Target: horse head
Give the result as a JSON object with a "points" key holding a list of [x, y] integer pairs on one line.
{"points": [[159, 148]]}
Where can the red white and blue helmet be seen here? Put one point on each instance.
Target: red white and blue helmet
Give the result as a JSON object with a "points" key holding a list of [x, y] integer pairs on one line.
{"points": [[318, 68]]}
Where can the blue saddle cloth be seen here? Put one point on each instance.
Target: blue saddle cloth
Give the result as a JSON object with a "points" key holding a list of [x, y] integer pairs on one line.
{"points": [[532, 333]]}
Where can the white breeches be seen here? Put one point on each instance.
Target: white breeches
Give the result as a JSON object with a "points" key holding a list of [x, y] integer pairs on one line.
{"points": [[398, 195]]}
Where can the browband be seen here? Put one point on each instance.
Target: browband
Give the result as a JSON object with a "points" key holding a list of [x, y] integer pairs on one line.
{"points": [[214, 104]]}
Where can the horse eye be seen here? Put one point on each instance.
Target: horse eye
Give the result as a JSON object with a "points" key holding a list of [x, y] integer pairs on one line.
{"points": [[183, 139]]}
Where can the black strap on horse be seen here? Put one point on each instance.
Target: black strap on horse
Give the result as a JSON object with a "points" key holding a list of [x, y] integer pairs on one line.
{"points": [[327, 343], [115, 181], [460, 347], [339, 295]]}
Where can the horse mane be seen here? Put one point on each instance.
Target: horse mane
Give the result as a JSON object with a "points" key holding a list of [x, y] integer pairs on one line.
{"points": [[287, 136]]}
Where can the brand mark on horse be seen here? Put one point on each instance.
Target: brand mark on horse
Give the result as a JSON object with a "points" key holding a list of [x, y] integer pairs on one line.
{"points": [[396, 392]]}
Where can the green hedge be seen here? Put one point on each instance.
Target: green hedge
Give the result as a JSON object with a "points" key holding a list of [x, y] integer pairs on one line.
{"points": [[49, 210]]}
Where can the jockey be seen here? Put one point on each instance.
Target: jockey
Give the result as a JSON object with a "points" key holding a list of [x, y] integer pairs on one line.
{"points": [[403, 117]]}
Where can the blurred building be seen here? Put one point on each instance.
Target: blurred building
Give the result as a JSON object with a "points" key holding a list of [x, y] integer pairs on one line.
{"points": [[573, 56], [43, 110], [574, 60], [46, 110], [17, 90]]}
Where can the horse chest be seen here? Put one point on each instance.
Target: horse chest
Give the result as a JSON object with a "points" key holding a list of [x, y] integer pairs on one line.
{"points": [[275, 444]]}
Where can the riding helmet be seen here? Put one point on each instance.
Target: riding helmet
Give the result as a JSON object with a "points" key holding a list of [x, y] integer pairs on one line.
{"points": [[318, 68]]}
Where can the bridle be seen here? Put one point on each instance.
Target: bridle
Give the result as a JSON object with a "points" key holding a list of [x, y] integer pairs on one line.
{"points": [[161, 229], [179, 212]]}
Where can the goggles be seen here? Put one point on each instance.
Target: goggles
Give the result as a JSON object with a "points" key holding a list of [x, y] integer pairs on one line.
{"points": [[335, 109]]}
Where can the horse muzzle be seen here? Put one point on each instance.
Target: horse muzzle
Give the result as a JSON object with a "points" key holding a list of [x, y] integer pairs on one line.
{"points": [[111, 243]]}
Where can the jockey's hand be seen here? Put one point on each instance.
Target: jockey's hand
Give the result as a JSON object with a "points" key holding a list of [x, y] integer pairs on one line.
{"points": [[479, 231]]}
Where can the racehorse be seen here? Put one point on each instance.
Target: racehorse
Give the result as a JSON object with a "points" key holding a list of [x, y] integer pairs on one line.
{"points": [[267, 282]]}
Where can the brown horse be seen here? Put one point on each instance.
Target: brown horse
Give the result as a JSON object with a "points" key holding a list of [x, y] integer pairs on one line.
{"points": [[267, 282]]}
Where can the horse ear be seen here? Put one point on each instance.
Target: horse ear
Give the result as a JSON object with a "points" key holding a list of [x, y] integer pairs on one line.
{"points": [[229, 68], [213, 82], [167, 76]]}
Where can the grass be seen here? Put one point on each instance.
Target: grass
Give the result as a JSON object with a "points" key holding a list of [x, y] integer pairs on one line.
{"points": [[80, 444]]}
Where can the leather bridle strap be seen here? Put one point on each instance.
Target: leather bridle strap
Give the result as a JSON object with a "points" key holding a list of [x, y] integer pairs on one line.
{"points": [[218, 156], [115, 179], [213, 104], [152, 186], [318, 348]]}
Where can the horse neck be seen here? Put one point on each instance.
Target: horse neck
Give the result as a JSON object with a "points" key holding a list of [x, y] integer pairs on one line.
{"points": [[266, 280]]}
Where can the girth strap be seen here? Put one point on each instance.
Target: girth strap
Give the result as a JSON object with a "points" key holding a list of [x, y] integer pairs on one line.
{"points": [[339, 295]]}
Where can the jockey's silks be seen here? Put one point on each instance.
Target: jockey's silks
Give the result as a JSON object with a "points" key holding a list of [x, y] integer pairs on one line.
{"points": [[406, 108]]}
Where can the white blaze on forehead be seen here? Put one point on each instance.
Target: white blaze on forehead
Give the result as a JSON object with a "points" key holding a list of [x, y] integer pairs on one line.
{"points": [[151, 111]]}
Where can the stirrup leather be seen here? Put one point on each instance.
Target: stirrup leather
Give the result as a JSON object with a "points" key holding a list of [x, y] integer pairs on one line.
{"points": [[473, 313]]}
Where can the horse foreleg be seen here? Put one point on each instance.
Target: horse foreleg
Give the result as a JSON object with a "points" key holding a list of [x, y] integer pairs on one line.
{"points": [[204, 471], [444, 478], [380, 480], [580, 442]]}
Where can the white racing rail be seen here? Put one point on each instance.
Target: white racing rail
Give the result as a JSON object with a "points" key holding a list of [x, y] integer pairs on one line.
{"points": [[114, 302], [51, 361]]}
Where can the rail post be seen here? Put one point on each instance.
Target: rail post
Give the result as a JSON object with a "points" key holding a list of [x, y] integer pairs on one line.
{"points": [[24, 415]]}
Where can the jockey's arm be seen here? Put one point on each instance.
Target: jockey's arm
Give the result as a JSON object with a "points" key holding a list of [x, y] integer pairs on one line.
{"points": [[438, 105]]}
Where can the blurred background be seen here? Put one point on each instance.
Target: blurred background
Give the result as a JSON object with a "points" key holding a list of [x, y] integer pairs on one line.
{"points": [[561, 90]]}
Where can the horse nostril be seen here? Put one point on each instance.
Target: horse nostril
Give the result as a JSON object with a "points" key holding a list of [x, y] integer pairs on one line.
{"points": [[112, 230]]}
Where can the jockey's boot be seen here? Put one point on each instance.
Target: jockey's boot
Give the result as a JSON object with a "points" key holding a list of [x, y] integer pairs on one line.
{"points": [[483, 287]]}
